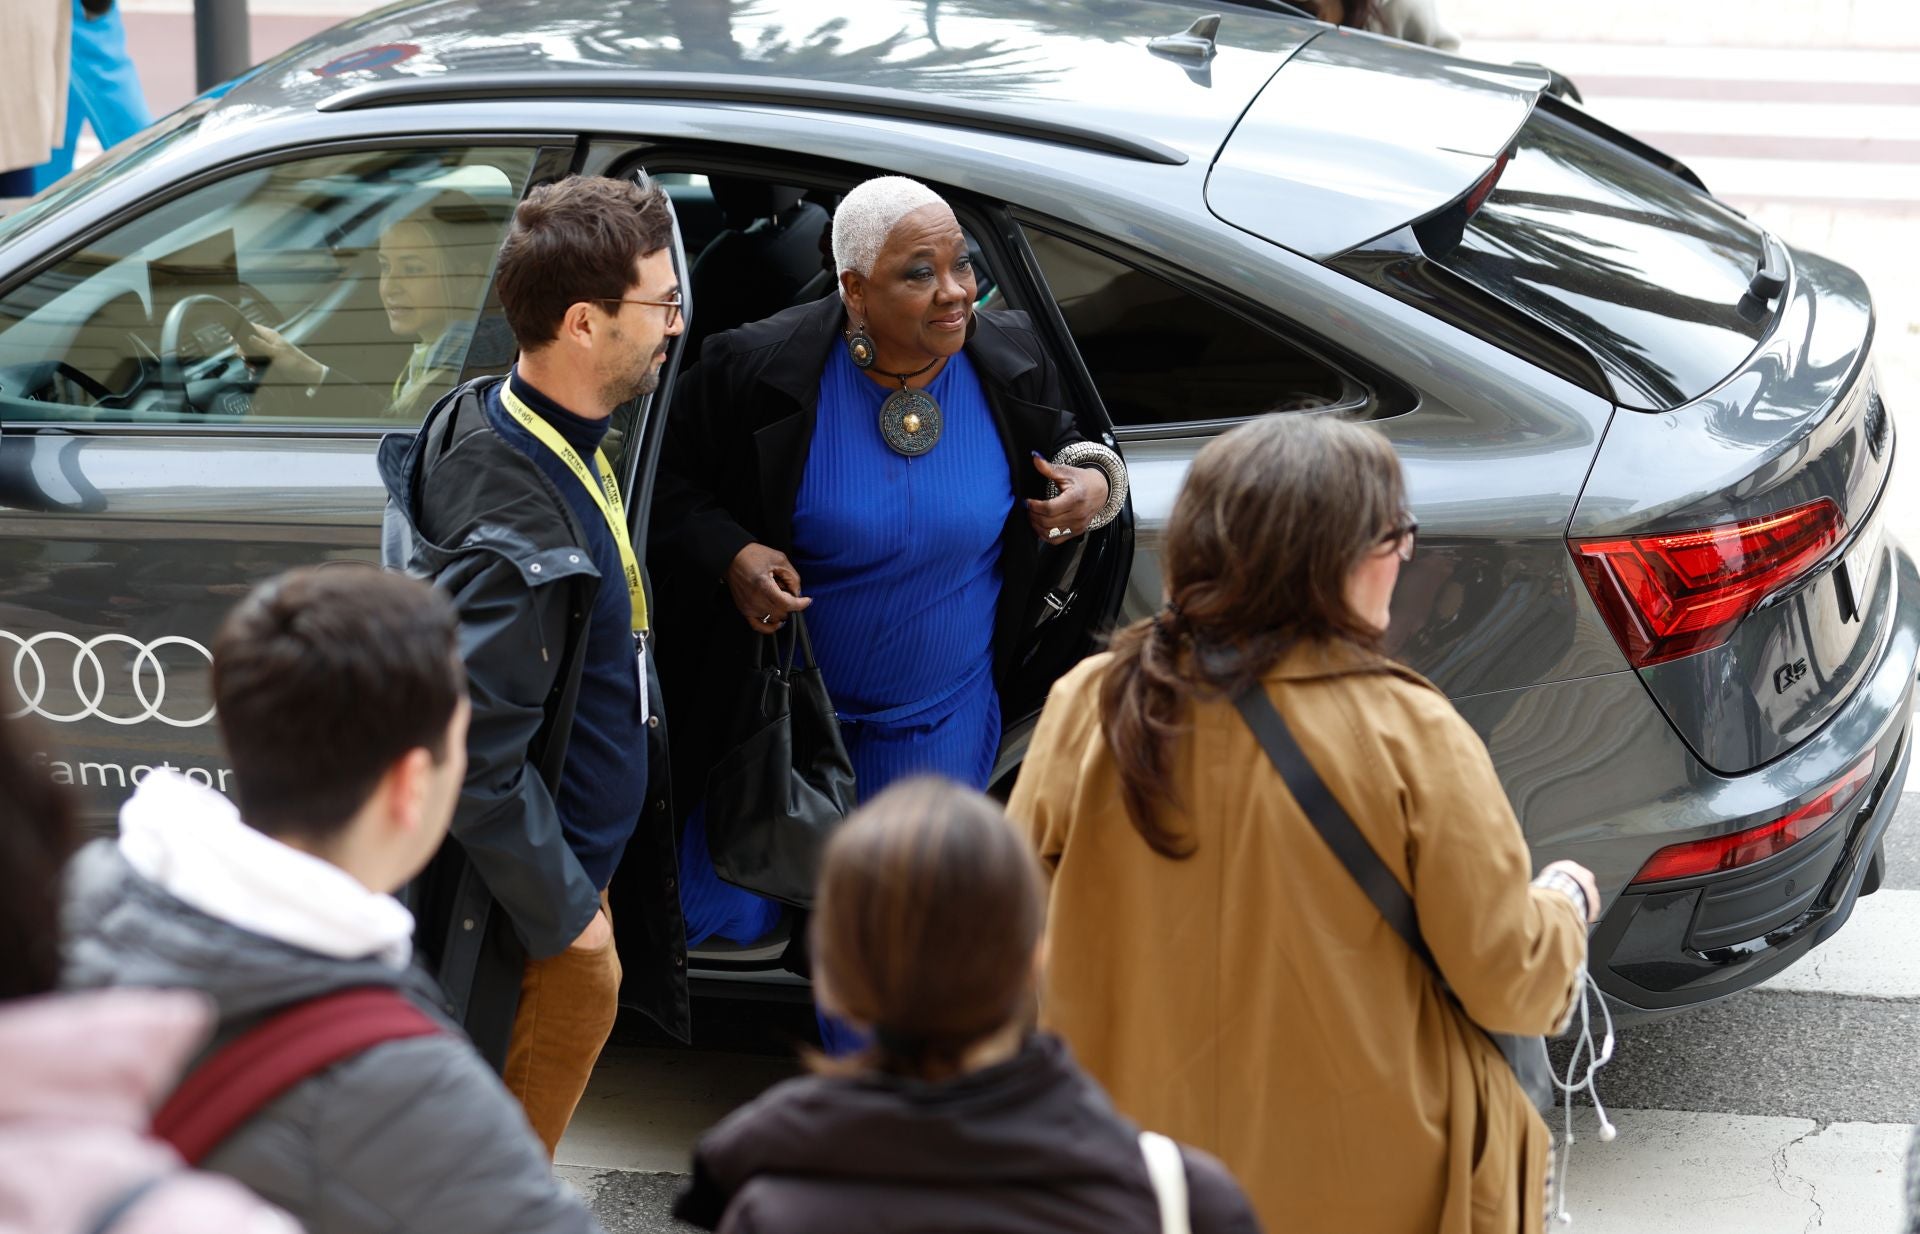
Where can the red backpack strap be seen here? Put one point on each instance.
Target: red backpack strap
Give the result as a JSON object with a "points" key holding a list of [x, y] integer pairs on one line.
{"points": [[241, 1077]]}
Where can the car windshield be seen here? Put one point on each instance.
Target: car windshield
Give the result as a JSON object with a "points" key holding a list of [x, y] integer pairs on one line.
{"points": [[1642, 269], [136, 151]]}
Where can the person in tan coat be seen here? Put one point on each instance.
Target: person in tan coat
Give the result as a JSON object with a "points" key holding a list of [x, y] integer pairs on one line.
{"points": [[34, 37], [1211, 961]]}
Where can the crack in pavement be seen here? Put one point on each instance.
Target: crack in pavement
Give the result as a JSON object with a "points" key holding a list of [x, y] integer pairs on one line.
{"points": [[1781, 1174]]}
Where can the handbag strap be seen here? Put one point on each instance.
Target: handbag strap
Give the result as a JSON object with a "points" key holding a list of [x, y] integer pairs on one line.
{"points": [[1330, 818], [1167, 1172]]}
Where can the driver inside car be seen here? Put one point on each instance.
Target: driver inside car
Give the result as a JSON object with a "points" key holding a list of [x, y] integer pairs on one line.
{"points": [[433, 269]]}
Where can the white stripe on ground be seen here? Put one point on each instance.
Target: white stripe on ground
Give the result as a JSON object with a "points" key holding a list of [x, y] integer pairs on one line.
{"points": [[1832, 120], [1736, 1174], [1788, 180], [1717, 63], [1873, 956]]}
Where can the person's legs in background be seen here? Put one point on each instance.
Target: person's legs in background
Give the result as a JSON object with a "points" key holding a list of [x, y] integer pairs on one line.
{"points": [[104, 91]]}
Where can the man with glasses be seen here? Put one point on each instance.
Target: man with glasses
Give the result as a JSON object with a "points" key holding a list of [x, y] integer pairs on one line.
{"points": [[506, 499]]}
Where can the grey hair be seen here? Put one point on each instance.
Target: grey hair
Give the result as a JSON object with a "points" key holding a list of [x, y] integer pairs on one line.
{"points": [[868, 214]]}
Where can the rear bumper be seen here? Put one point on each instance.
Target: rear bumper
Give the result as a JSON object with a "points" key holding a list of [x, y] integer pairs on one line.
{"points": [[1672, 945]]}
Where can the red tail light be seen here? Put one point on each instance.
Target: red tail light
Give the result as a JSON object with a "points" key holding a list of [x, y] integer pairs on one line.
{"points": [[1670, 595], [1743, 848]]}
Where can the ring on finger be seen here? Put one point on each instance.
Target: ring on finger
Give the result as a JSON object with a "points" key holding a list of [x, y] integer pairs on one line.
{"points": [[1054, 533], [767, 620]]}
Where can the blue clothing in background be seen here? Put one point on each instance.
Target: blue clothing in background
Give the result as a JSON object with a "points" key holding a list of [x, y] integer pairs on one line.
{"points": [[902, 559], [103, 90], [603, 786]]}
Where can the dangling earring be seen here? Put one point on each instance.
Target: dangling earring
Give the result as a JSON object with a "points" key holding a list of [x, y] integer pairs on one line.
{"points": [[860, 347]]}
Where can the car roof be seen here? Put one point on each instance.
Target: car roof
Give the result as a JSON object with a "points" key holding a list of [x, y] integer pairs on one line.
{"points": [[1074, 65]]}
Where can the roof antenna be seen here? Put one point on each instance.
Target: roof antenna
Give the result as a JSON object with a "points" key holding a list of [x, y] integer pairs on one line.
{"points": [[1193, 47]]}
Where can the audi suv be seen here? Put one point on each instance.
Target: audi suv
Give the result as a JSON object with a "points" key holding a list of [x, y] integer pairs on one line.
{"points": [[1643, 436]]}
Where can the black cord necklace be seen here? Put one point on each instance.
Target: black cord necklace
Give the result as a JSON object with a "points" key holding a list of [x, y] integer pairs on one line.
{"points": [[910, 420]]}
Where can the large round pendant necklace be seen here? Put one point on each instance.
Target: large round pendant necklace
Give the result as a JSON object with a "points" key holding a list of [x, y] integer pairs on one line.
{"points": [[910, 419]]}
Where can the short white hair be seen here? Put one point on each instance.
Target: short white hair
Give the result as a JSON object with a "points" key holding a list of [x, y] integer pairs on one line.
{"points": [[867, 216]]}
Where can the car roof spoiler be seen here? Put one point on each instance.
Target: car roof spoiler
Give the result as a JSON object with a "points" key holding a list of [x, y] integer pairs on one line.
{"points": [[760, 91]]}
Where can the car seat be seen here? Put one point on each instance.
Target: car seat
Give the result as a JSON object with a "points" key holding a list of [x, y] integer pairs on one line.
{"points": [[768, 251]]}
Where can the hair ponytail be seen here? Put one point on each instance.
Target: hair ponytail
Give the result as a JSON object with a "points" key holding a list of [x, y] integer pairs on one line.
{"points": [[1273, 517]]}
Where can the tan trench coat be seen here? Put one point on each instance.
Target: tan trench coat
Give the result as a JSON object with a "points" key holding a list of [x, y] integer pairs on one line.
{"points": [[1250, 1000], [34, 53]]}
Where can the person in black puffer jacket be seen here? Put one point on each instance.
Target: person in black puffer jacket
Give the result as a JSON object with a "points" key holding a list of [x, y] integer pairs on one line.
{"points": [[959, 1116]]}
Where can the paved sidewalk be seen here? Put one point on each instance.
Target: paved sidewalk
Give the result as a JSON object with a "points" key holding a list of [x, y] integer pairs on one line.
{"points": [[1707, 23]]}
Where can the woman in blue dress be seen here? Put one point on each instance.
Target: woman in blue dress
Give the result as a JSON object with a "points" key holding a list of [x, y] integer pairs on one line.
{"points": [[897, 465]]}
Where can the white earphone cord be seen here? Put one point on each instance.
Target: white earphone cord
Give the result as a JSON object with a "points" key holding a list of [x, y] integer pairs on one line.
{"points": [[1595, 1058]]}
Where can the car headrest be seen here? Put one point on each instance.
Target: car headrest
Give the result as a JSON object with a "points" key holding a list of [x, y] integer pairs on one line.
{"points": [[742, 200]]}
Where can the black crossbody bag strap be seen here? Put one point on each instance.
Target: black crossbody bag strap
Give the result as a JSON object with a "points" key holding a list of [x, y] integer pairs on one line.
{"points": [[1526, 1055], [1330, 818]]}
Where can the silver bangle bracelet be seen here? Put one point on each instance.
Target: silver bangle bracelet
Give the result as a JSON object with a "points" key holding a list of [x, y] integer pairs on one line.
{"points": [[1093, 454]]}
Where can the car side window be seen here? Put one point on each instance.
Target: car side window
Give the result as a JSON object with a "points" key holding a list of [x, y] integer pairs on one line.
{"points": [[1161, 355], [338, 290]]}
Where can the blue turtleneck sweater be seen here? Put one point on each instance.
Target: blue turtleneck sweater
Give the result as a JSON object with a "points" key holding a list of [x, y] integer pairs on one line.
{"points": [[603, 784]]}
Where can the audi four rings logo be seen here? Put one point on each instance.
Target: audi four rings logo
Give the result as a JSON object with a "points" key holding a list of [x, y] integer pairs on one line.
{"points": [[131, 692]]}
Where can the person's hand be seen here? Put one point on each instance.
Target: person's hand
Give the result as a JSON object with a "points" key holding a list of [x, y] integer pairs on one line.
{"points": [[261, 345], [765, 587], [1584, 878], [599, 933], [1083, 490]]}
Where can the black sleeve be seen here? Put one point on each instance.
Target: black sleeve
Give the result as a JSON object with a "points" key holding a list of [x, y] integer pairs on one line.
{"points": [[512, 640], [1215, 1202], [690, 520]]}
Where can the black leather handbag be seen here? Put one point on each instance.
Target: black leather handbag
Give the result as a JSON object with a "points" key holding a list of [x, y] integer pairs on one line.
{"points": [[785, 782], [1527, 1056]]}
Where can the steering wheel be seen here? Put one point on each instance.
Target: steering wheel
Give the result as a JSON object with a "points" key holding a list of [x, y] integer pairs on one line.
{"points": [[172, 377]]}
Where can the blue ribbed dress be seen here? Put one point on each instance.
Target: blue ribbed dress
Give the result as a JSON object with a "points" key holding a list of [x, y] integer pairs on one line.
{"points": [[902, 559]]}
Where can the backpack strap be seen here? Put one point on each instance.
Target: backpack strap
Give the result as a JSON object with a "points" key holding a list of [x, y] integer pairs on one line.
{"points": [[241, 1077]]}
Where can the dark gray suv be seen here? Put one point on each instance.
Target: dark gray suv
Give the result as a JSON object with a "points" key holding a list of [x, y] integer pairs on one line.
{"points": [[1642, 435]]}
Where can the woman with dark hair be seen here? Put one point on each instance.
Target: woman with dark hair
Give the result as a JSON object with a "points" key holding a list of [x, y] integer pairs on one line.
{"points": [[1211, 959], [957, 1116], [80, 1073]]}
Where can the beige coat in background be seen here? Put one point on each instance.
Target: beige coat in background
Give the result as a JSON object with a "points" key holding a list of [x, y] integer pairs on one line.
{"points": [[1251, 1001], [34, 50]]}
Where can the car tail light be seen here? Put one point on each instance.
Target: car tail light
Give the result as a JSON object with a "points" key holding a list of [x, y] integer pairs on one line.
{"points": [[1743, 848], [1669, 595]]}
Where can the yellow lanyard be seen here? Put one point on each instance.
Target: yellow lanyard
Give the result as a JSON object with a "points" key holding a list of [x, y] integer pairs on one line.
{"points": [[605, 494]]}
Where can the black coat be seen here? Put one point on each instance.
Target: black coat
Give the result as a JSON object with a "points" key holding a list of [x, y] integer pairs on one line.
{"points": [[1027, 1146], [738, 436], [476, 516]]}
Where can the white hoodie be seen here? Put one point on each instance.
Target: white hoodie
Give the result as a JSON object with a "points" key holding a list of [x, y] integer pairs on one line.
{"points": [[191, 841]]}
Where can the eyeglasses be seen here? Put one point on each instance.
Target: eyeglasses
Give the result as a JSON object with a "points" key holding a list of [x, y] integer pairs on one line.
{"points": [[672, 306], [1400, 539]]}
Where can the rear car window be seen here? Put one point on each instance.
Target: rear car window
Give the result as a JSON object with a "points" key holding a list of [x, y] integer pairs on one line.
{"points": [[1640, 268], [1162, 356]]}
